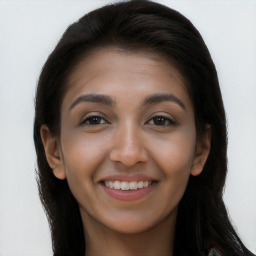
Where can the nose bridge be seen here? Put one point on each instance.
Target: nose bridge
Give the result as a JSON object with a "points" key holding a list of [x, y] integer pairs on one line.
{"points": [[128, 146]]}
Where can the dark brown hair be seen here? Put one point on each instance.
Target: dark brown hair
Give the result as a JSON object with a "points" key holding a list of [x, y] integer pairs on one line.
{"points": [[202, 220]]}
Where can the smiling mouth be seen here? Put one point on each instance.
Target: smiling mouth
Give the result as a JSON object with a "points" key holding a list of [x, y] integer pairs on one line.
{"points": [[128, 187], [125, 185]]}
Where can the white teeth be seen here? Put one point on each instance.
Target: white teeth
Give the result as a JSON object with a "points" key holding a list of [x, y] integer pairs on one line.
{"points": [[133, 185], [111, 184], [145, 183], [117, 184], [125, 185], [140, 184]]}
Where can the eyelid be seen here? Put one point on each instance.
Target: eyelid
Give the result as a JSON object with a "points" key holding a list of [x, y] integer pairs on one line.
{"points": [[91, 115], [171, 120], [102, 116]]}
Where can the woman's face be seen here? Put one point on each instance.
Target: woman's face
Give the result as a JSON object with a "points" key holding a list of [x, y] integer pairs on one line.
{"points": [[128, 140]]}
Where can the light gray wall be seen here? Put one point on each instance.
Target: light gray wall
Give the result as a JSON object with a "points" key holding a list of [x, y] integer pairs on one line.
{"points": [[28, 32]]}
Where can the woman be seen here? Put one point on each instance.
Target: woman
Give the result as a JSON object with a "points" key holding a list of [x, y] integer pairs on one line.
{"points": [[130, 135]]}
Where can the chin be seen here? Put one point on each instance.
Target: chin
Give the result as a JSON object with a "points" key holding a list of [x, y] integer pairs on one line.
{"points": [[136, 224], [131, 228]]}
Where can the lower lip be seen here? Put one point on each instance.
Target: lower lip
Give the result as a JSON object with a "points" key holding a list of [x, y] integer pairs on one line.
{"points": [[128, 195]]}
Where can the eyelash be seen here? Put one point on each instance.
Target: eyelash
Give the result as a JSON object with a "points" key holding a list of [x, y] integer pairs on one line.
{"points": [[161, 117], [90, 118]]}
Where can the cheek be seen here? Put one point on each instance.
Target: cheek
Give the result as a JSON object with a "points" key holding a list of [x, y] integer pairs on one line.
{"points": [[175, 160], [82, 154], [176, 152], [82, 157], [177, 157]]}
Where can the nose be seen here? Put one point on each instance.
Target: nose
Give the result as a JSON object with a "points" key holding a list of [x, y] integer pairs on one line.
{"points": [[128, 147]]}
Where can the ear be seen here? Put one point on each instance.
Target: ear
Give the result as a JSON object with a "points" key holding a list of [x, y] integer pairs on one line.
{"points": [[53, 152], [203, 147]]}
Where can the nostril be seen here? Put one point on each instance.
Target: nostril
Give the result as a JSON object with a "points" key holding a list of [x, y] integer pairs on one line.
{"points": [[128, 146], [128, 157]]}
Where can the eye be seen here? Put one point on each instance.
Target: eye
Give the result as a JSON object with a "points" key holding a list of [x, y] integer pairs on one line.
{"points": [[161, 121], [94, 120]]}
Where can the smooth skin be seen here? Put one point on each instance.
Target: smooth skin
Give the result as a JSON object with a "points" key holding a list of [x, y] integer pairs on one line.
{"points": [[127, 113]]}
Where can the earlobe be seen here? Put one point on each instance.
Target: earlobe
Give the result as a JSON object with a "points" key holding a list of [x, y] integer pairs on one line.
{"points": [[52, 152], [203, 147]]}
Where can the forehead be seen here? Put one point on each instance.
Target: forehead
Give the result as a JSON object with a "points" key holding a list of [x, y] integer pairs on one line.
{"points": [[115, 71]]}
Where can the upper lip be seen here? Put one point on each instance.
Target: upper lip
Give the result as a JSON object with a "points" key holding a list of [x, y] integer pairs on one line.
{"points": [[134, 177]]}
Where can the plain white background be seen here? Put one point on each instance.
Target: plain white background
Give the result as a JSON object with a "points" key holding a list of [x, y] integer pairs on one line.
{"points": [[29, 30]]}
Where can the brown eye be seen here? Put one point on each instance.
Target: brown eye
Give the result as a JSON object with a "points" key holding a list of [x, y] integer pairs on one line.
{"points": [[94, 120], [161, 121]]}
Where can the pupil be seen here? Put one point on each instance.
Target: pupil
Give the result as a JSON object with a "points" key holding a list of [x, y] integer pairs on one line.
{"points": [[159, 121], [95, 120]]}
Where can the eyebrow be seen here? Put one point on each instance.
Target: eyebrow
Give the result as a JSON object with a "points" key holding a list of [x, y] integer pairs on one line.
{"points": [[108, 101], [157, 98], [98, 98]]}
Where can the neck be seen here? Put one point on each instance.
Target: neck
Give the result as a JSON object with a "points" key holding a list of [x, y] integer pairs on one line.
{"points": [[100, 240]]}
